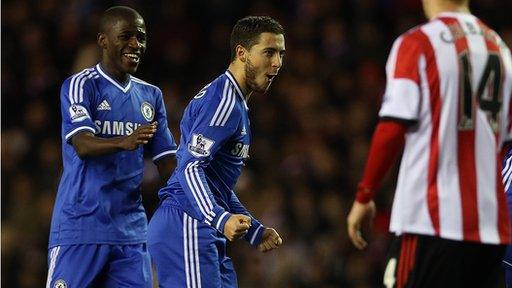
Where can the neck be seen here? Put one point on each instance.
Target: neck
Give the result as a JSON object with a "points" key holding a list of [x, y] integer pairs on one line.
{"points": [[439, 7], [236, 68], [114, 73]]}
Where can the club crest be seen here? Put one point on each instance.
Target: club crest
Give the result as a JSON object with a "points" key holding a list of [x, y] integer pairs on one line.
{"points": [[147, 111]]}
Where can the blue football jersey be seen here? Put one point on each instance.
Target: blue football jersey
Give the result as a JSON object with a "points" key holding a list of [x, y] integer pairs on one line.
{"points": [[215, 139], [99, 199]]}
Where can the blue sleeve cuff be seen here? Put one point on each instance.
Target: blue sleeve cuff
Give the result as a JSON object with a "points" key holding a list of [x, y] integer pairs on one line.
{"points": [[220, 219], [255, 233]]}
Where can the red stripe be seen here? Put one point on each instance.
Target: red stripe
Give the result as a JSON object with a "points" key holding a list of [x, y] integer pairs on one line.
{"points": [[465, 149], [401, 262], [435, 108], [503, 216]]}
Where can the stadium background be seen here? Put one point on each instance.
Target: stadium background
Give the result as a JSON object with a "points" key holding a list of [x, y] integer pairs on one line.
{"points": [[311, 132]]}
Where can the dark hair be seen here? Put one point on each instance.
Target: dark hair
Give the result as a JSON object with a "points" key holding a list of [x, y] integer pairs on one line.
{"points": [[111, 15], [247, 31]]}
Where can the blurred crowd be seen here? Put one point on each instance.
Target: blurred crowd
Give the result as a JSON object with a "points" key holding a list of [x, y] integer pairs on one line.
{"points": [[310, 132]]}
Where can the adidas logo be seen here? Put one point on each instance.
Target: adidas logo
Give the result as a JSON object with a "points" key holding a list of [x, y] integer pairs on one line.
{"points": [[104, 106], [244, 131]]}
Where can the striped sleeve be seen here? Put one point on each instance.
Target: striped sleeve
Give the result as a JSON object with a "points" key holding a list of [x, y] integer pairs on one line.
{"points": [[75, 97], [213, 119], [402, 95]]}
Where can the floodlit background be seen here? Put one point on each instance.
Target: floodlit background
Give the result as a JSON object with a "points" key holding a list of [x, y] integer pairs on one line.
{"points": [[310, 132]]}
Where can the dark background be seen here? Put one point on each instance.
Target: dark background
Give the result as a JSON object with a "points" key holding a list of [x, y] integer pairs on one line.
{"points": [[311, 131]]}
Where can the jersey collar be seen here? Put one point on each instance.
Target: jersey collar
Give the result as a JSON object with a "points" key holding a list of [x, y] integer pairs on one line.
{"points": [[237, 87], [117, 84]]}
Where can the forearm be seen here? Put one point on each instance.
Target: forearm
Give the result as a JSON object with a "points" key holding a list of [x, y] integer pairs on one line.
{"points": [[387, 142], [89, 146], [200, 197]]}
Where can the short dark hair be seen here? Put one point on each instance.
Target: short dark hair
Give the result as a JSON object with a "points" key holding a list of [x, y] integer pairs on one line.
{"points": [[247, 31], [111, 15]]}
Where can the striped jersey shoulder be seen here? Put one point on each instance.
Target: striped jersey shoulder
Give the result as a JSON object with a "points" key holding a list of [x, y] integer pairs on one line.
{"points": [[74, 85], [219, 98]]}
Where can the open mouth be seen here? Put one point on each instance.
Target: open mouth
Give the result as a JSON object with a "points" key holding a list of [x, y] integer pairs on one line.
{"points": [[132, 57]]}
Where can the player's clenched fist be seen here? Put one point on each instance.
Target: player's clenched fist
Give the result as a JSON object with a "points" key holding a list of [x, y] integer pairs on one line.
{"points": [[140, 136], [270, 240], [237, 226]]}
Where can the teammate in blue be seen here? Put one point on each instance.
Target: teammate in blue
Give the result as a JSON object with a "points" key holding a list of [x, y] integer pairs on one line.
{"points": [[507, 181], [199, 210], [109, 119]]}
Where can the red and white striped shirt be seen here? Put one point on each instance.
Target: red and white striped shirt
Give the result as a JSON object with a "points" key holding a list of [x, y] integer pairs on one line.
{"points": [[453, 77]]}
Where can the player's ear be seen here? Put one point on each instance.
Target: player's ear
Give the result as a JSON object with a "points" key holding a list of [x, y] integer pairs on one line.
{"points": [[241, 53], [102, 40]]}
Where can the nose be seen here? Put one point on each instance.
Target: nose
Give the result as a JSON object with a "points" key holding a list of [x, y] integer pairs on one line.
{"points": [[277, 62], [134, 42]]}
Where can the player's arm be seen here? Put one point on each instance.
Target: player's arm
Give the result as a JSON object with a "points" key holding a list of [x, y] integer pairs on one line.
{"points": [[76, 97], [89, 146], [214, 122], [162, 147], [264, 238], [400, 108]]}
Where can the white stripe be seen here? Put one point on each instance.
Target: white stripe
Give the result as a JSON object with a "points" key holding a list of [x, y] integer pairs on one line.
{"points": [[507, 173], [221, 104], [507, 165], [236, 86], [253, 238], [185, 249], [229, 111], [164, 153], [191, 252], [82, 82], [76, 85], [507, 185], [78, 129], [220, 220], [203, 189], [200, 194], [72, 84], [193, 187], [230, 100], [196, 254], [53, 260]]}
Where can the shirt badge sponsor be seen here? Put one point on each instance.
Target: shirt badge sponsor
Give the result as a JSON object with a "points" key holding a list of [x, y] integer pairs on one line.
{"points": [[60, 284], [200, 146], [147, 111], [78, 113]]}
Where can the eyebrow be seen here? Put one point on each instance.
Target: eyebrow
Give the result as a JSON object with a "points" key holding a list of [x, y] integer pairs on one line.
{"points": [[274, 49]]}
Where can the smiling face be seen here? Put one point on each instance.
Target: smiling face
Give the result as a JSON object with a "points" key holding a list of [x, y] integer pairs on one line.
{"points": [[123, 43], [263, 61]]}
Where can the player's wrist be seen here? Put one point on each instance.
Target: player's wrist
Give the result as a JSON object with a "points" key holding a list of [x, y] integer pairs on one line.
{"points": [[219, 221], [364, 193]]}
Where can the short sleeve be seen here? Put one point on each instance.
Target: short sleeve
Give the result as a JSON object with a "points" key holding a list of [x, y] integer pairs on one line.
{"points": [[76, 96], [402, 96], [163, 143]]}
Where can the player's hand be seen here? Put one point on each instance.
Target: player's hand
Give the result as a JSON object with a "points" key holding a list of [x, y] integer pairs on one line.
{"points": [[140, 136], [237, 226], [270, 240], [360, 214]]}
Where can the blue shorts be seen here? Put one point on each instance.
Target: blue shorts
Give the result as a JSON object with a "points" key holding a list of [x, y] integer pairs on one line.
{"points": [[91, 265], [188, 253]]}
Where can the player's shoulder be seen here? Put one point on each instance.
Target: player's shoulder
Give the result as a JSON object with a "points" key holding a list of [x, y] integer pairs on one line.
{"points": [[145, 85], [213, 92], [82, 78]]}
